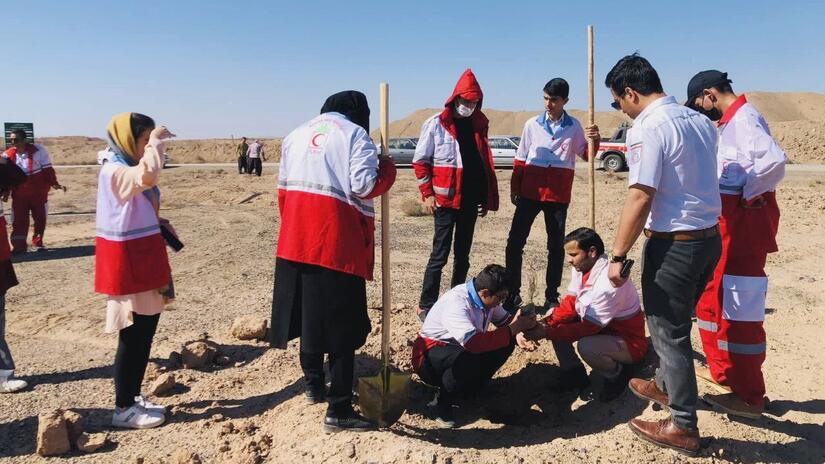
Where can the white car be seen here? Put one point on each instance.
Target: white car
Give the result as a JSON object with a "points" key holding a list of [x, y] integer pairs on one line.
{"points": [[504, 149], [105, 155]]}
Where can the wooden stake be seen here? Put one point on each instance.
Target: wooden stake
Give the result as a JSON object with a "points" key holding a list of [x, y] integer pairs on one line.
{"points": [[591, 119], [386, 297]]}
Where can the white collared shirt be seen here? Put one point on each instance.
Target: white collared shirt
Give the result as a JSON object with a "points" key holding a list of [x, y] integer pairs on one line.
{"points": [[672, 149], [597, 300]]}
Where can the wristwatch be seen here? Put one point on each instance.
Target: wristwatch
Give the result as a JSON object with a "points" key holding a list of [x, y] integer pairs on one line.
{"points": [[617, 259]]}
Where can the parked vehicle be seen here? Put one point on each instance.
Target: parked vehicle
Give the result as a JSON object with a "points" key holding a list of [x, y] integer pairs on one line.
{"points": [[402, 149], [504, 149], [103, 157], [612, 150]]}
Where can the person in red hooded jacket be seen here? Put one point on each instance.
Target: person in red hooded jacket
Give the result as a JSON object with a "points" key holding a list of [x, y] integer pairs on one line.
{"points": [[32, 196], [454, 168]]}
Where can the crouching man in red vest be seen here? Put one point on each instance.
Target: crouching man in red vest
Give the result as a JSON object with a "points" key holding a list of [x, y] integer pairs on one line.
{"points": [[33, 195]]}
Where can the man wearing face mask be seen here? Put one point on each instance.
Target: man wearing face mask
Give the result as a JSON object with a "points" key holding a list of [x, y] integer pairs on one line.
{"points": [[731, 311], [454, 167]]}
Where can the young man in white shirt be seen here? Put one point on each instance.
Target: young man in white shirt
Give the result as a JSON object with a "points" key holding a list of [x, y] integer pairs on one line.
{"points": [[730, 313], [674, 198], [542, 181]]}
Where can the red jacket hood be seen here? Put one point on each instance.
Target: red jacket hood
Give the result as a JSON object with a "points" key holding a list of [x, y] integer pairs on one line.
{"points": [[468, 88]]}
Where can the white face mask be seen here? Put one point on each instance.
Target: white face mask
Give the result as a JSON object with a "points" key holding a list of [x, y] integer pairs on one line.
{"points": [[463, 110]]}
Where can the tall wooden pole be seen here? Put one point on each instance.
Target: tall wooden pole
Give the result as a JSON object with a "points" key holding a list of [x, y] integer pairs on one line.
{"points": [[386, 297], [591, 119]]}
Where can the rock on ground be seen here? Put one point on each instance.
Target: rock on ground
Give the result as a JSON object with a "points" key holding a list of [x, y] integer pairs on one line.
{"points": [[74, 424], [249, 328], [163, 384], [52, 434], [91, 443], [198, 354], [184, 456]]}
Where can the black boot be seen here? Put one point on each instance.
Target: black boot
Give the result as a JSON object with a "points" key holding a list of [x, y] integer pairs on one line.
{"points": [[316, 394], [572, 379], [346, 420], [613, 388], [444, 411]]}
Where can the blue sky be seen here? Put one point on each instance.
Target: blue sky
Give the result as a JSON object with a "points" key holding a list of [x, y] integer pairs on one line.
{"points": [[259, 68]]}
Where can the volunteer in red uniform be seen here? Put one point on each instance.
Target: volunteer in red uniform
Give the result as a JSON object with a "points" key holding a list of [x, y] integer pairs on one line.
{"points": [[454, 167], [32, 196], [542, 181], [731, 311], [329, 173], [131, 265], [606, 321]]}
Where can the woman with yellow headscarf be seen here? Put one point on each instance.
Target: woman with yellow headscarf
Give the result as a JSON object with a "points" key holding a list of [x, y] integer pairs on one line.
{"points": [[131, 265]]}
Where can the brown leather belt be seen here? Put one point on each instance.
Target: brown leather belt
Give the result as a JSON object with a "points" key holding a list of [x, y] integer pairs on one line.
{"points": [[684, 235]]}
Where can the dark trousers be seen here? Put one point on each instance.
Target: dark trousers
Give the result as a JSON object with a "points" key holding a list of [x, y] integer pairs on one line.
{"points": [[134, 345], [457, 371], [447, 220], [242, 164], [6, 361], [255, 166], [674, 275], [555, 217], [341, 368]]}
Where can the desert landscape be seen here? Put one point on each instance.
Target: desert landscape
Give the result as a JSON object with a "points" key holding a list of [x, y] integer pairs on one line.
{"points": [[246, 404]]}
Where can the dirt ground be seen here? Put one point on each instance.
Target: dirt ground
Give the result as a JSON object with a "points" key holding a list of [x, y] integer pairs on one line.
{"points": [[254, 411]]}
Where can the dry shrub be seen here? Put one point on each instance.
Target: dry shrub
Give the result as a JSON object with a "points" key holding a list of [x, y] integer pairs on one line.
{"points": [[413, 208]]}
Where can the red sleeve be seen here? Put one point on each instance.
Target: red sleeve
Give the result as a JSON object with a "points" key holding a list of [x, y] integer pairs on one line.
{"points": [[424, 175], [386, 177], [50, 176], [572, 331], [515, 179], [488, 341], [566, 312]]}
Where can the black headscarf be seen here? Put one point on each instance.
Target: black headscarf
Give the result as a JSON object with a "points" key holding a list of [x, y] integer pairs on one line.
{"points": [[352, 104]]}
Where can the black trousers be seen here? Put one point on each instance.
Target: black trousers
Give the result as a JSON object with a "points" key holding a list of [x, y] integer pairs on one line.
{"points": [[448, 220], [134, 345], [555, 217], [242, 164], [341, 368], [457, 371], [255, 166]]}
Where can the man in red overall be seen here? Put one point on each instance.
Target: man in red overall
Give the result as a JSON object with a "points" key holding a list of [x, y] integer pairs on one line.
{"points": [[731, 311], [33, 195]]}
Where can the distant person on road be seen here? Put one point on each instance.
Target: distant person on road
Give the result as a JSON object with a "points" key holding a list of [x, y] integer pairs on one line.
{"points": [[731, 312], [10, 176], [454, 167], [131, 265], [330, 172], [32, 196], [242, 159], [542, 181], [256, 155]]}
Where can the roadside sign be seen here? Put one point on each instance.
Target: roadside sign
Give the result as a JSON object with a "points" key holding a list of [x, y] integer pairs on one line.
{"points": [[12, 126]]}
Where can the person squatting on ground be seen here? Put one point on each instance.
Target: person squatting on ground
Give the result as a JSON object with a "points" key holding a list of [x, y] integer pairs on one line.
{"points": [[456, 350], [730, 314], [606, 321], [256, 156], [32, 196], [131, 264], [673, 195], [542, 181], [10, 176], [329, 173], [453, 164], [242, 159]]}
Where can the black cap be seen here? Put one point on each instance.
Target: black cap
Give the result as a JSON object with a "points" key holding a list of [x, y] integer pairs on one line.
{"points": [[704, 80]]}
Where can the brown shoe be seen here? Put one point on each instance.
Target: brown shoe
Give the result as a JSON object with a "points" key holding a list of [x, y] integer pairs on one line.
{"points": [[665, 433], [703, 373], [647, 390], [735, 406]]}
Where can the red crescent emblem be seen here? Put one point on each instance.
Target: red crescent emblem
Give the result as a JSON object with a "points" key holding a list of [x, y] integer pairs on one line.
{"points": [[315, 138]]}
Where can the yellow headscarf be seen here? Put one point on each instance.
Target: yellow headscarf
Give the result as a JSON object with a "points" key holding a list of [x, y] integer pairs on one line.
{"points": [[120, 131]]}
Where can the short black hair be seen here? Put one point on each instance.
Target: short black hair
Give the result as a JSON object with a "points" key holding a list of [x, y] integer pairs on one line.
{"points": [[557, 87], [21, 134], [586, 238], [723, 87], [139, 123], [635, 72], [493, 278]]}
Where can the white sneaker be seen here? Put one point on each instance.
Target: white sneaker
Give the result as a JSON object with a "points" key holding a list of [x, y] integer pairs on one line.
{"points": [[12, 385], [136, 417], [149, 406]]}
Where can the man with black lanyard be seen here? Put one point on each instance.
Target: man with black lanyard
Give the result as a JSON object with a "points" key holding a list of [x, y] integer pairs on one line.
{"points": [[674, 197]]}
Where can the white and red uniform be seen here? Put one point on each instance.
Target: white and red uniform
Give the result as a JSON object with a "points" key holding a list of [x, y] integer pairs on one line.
{"points": [[32, 196], [437, 160], [546, 159], [594, 306], [130, 253], [327, 214], [732, 308]]}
